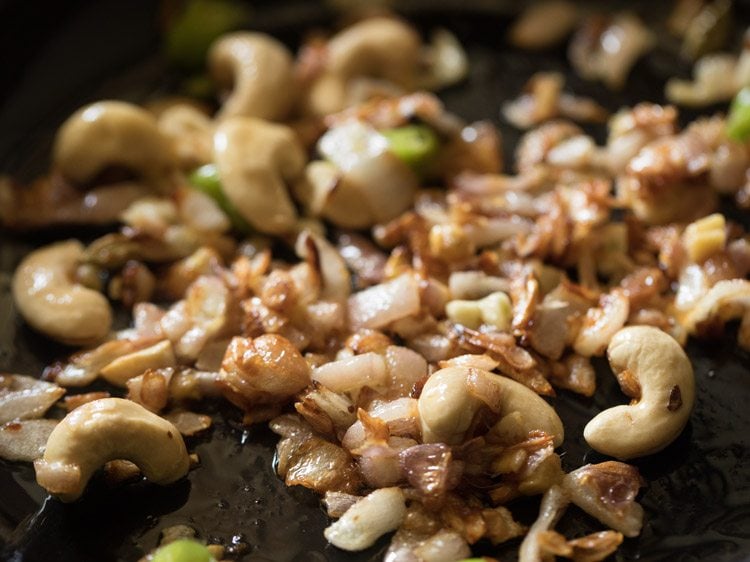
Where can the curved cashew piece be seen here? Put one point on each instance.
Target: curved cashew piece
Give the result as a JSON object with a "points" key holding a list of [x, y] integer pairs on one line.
{"points": [[52, 303], [378, 47], [112, 133], [667, 394], [255, 159], [447, 406], [260, 71], [105, 430]]}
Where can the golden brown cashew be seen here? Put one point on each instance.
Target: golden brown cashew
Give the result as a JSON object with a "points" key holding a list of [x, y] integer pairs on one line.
{"points": [[105, 430], [380, 47], [664, 376], [49, 299], [255, 159], [112, 133], [447, 405], [260, 71]]}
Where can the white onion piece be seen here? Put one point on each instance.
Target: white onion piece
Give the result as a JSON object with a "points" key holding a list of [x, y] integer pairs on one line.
{"points": [[449, 63], [201, 212], [405, 368], [325, 259], [444, 546], [352, 373], [26, 397], [554, 503], [381, 304], [380, 512]]}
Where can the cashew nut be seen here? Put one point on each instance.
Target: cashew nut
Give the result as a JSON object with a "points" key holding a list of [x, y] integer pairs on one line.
{"points": [[380, 47], [447, 405], [105, 430], [667, 393], [112, 133], [49, 299], [255, 159], [260, 71]]}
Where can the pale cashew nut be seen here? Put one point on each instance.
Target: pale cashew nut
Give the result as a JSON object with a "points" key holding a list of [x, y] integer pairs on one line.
{"points": [[255, 159], [667, 394], [260, 71], [112, 133], [447, 405], [52, 303], [381, 48], [105, 430]]}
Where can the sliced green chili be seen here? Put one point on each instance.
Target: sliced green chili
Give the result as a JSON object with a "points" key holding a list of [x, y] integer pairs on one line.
{"points": [[738, 121], [206, 179], [416, 145], [183, 550]]}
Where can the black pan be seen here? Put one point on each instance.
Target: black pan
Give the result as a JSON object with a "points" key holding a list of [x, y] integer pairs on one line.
{"points": [[58, 56]]}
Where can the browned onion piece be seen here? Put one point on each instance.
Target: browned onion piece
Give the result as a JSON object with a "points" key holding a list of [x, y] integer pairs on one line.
{"points": [[188, 423], [337, 503], [431, 470], [263, 371], [24, 440], [607, 492], [307, 460]]}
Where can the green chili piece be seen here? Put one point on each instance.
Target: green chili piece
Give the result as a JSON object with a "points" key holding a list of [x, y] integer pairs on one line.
{"points": [[200, 23], [416, 145], [183, 550], [738, 121], [206, 179]]}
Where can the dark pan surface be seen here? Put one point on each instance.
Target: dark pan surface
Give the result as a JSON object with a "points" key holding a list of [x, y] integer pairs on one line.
{"points": [[697, 500]]}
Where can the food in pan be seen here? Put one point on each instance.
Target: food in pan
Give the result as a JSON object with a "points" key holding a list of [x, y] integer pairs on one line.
{"points": [[332, 252]]}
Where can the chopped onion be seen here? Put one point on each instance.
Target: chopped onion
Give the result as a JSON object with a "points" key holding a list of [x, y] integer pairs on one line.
{"points": [[382, 304]]}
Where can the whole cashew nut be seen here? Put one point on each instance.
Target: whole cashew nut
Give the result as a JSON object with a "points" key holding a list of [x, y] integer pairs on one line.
{"points": [[447, 406], [255, 159], [380, 47], [260, 71], [105, 430], [52, 303], [112, 133], [667, 394]]}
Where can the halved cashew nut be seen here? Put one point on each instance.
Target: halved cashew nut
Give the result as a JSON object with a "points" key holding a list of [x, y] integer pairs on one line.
{"points": [[260, 71], [112, 133], [105, 430], [255, 159], [447, 405], [380, 47], [52, 303], [122, 369], [667, 394]]}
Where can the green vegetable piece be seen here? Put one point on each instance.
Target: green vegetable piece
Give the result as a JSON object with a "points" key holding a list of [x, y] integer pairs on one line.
{"points": [[738, 121], [206, 179], [202, 21], [183, 550], [415, 145]]}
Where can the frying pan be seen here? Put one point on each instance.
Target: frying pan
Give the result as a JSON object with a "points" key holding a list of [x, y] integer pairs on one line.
{"points": [[58, 56]]}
